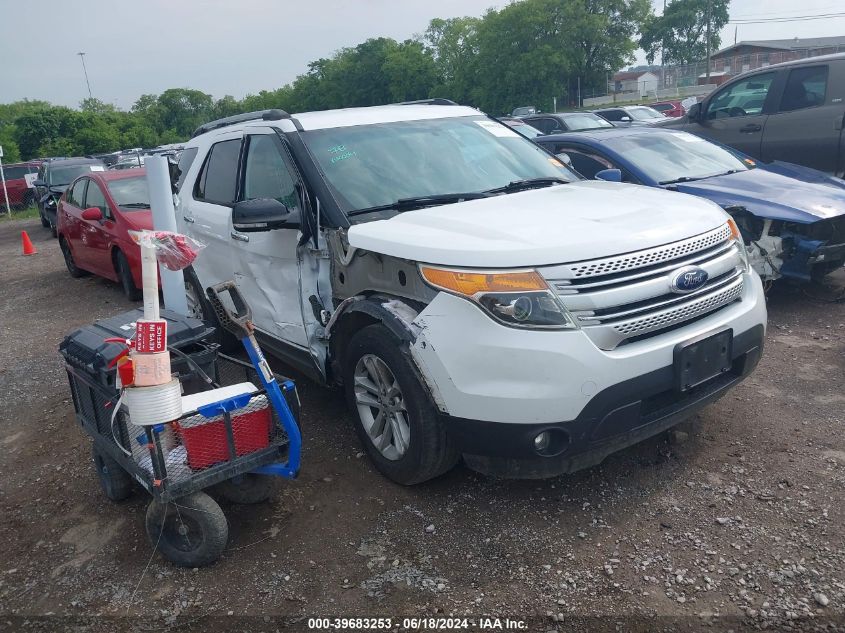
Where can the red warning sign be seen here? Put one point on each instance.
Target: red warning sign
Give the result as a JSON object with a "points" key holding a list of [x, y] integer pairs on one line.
{"points": [[150, 336]]}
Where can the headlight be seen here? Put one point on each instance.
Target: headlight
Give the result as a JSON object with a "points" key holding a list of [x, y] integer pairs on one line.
{"points": [[736, 236], [519, 298]]}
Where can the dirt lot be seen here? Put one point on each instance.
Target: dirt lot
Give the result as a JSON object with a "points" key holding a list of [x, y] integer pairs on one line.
{"points": [[735, 522]]}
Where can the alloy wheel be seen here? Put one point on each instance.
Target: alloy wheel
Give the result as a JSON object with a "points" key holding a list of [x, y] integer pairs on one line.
{"points": [[381, 407]]}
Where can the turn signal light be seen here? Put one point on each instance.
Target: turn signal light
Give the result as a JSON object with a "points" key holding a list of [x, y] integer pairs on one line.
{"points": [[473, 283]]}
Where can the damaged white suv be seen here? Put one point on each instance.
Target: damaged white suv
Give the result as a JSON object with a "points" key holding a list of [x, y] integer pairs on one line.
{"points": [[473, 296]]}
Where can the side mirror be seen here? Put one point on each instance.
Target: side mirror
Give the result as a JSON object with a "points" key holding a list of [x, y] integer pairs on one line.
{"points": [[694, 113], [39, 183], [263, 214], [564, 158], [92, 214], [625, 119], [609, 175]]}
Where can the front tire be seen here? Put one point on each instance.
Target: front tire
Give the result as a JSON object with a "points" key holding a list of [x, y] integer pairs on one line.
{"points": [[190, 532], [399, 427], [124, 274]]}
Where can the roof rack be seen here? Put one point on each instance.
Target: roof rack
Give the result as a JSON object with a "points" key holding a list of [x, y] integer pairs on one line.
{"points": [[433, 101], [264, 115]]}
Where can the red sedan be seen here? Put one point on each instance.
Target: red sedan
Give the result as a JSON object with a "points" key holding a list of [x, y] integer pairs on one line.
{"points": [[95, 215]]}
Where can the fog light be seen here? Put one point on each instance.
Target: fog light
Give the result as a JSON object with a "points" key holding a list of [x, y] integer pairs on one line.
{"points": [[542, 441]]}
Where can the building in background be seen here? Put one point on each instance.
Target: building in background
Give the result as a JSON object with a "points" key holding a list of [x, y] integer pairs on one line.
{"points": [[641, 82], [744, 56]]}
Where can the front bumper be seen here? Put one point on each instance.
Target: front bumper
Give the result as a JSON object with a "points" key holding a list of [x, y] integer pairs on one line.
{"points": [[616, 418], [497, 387]]}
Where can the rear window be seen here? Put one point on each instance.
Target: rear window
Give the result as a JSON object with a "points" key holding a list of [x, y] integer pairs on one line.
{"points": [[663, 107], [130, 193], [65, 175], [18, 171]]}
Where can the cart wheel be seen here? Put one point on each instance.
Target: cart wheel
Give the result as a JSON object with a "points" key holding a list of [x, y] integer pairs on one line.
{"points": [[191, 531], [116, 482], [247, 489]]}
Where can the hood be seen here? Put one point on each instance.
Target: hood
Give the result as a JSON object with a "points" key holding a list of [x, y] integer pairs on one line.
{"points": [[564, 223], [771, 195], [807, 174], [138, 219]]}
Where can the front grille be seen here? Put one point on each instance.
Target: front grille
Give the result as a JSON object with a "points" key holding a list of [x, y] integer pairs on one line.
{"points": [[629, 296], [650, 256]]}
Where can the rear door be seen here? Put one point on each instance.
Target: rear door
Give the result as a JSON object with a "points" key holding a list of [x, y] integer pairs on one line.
{"points": [[267, 263], [98, 235], [69, 220], [207, 208], [806, 126], [736, 114]]}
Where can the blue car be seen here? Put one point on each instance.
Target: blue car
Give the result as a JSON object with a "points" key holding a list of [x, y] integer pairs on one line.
{"points": [[792, 218]]}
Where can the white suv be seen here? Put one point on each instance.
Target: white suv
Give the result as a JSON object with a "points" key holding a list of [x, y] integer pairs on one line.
{"points": [[473, 296]]}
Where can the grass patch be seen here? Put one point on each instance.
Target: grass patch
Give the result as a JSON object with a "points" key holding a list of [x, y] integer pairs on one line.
{"points": [[30, 213]]}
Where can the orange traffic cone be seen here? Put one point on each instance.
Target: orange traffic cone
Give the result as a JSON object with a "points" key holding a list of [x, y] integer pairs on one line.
{"points": [[28, 248]]}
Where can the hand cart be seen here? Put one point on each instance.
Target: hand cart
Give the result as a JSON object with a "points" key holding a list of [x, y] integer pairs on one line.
{"points": [[229, 440]]}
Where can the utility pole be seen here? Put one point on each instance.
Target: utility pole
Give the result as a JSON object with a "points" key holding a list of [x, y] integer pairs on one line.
{"points": [[709, 5], [85, 70], [663, 57]]}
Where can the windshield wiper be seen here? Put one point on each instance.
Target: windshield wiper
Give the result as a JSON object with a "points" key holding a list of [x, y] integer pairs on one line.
{"points": [[135, 205], [692, 178], [529, 183], [419, 202], [681, 179]]}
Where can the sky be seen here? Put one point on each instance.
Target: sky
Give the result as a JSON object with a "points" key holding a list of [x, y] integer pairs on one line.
{"points": [[241, 47]]}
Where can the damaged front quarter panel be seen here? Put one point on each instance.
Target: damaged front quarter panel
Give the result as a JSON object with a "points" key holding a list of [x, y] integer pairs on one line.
{"points": [[369, 288]]}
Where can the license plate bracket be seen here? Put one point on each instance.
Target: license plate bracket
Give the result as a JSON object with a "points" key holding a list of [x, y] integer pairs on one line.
{"points": [[701, 359]]}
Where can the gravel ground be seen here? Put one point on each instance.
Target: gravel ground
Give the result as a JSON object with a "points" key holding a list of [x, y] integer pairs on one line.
{"points": [[732, 521]]}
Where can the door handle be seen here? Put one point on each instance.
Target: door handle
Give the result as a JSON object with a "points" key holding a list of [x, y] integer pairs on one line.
{"points": [[239, 236], [750, 128], [188, 219]]}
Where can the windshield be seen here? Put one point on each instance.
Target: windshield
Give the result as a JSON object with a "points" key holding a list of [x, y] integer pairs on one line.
{"points": [[644, 114], [65, 175], [585, 121], [665, 157], [525, 129], [372, 165], [130, 193]]}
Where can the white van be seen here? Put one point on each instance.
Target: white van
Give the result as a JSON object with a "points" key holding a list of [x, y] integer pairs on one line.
{"points": [[472, 295]]}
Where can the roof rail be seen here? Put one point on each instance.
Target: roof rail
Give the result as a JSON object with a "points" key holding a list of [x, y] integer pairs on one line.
{"points": [[432, 101], [264, 115]]}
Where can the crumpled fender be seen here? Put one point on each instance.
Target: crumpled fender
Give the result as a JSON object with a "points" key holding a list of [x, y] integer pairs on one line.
{"points": [[395, 314]]}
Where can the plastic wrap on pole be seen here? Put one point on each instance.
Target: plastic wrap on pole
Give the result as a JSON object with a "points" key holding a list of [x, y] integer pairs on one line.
{"points": [[149, 280], [164, 219]]}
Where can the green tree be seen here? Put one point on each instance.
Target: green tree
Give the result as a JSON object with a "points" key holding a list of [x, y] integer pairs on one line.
{"points": [[681, 32], [11, 153], [183, 110], [454, 47], [534, 50]]}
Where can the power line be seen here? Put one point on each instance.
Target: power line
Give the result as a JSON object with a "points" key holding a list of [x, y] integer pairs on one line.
{"points": [[801, 18], [787, 13]]}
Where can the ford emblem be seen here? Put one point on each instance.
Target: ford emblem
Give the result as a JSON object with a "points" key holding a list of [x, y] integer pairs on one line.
{"points": [[688, 279]]}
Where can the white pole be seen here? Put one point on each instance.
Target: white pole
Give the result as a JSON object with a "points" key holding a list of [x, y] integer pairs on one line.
{"points": [[5, 193], [149, 280], [164, 219]]}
